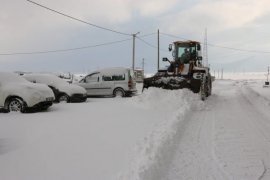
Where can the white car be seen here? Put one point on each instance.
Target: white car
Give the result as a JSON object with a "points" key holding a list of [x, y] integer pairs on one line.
{"points": [[110, 82], [63, 91], [17, 94]]}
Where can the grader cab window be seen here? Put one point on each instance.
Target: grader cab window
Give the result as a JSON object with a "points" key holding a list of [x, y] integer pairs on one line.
{"points": [[185, 53]]}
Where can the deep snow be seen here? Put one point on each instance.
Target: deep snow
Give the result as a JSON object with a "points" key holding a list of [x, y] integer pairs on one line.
{"points": [[157, 135]]}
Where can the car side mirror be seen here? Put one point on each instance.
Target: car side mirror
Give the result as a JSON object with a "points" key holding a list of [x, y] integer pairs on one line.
{"points": [[83, 80]]}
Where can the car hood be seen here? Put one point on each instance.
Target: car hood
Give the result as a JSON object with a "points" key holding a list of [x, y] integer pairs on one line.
{"points": [[29, 88]]}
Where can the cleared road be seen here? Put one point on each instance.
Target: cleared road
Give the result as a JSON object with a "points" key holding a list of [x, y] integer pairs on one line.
{"points": [[228, 138]]}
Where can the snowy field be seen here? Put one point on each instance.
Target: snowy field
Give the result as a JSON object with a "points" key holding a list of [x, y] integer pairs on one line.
{"points": [[156, 135]]}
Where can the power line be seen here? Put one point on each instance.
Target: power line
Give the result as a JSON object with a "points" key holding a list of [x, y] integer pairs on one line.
{"points": [[63, 50], [69, 49], [147, 43], [224, 47], [149, 34], [237, 49], [77, 19], [173, 36]]}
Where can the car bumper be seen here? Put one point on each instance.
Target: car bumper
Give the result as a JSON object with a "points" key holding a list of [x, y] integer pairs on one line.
{"points": [[40, 106], [130, 92], [78, 98]]}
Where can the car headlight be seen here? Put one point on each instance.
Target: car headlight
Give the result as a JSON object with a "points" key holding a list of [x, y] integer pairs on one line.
{"points": [[37, 96]]}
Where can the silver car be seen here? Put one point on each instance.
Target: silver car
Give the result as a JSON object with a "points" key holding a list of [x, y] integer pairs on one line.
{"points": [[110, 82], [17, 94], [63, 91]]}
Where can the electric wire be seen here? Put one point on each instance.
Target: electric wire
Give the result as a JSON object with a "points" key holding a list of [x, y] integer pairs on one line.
{"points": [[64, 50], [69, 49], [77, 19], [147, 43], [224, 47]]}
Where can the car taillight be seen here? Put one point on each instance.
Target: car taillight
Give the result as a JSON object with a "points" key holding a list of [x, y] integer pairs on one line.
{"points": [[130, 83]]}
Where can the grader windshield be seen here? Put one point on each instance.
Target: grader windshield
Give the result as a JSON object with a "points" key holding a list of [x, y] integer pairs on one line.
{"points": [[185, 51]]}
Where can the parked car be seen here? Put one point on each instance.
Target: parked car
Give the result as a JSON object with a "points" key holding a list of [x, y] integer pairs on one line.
{"points": [[17, 94], [63, 91], [110, 81]]}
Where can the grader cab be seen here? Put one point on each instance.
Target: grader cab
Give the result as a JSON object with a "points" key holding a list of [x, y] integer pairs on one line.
{"points": [[185, 70]]}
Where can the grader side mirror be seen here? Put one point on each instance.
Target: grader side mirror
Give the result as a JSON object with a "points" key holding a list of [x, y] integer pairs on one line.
{"points": [[170, 47], [165, 59], [200, 58], [198, 47]]}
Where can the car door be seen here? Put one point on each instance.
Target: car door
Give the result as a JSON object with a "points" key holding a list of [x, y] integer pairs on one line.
{"points": [[91, 83], [106, 85]]}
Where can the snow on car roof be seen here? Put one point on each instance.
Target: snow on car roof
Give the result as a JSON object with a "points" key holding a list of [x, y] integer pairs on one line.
{"points": [[112, 71], [48, 79], [7, 77]]}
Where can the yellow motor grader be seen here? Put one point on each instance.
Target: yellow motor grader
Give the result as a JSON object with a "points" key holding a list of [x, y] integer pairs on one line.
{"points": [[185, 70]]}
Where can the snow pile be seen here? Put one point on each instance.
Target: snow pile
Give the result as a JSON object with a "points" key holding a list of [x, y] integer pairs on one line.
{"points": [[155, 151], [241, 75]]}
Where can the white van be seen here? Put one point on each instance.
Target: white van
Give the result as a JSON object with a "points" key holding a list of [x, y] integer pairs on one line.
{"points": [[111, 81]]}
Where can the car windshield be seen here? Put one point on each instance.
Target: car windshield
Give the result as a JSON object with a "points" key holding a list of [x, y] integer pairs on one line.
{"points": [[11, 77]]}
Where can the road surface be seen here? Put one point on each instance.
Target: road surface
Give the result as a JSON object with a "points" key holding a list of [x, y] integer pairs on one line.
{"points": [[229, 138]]}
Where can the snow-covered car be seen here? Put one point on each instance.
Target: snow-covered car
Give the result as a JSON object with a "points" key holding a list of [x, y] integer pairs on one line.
{"points": [[63, 91], [118, 81], [17, 94]]}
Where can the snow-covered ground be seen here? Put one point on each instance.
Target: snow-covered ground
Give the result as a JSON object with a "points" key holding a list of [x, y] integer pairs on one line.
{"points": [[159, 134]]}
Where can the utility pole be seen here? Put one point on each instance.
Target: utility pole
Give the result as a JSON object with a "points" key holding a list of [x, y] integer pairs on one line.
{"points": [[268, 74], [222, 73], [205, 53], [143, 64], [133, 51], [158, 52]]}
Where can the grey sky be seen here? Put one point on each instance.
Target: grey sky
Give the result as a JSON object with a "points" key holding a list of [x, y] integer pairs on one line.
{"points": [[26, 27]]}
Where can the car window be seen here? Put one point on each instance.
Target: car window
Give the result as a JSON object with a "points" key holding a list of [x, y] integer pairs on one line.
{"points": [[107, 78], [119, 77], [131, 74], [92, 78]]}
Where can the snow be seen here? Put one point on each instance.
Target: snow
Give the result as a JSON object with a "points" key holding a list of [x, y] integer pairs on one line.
{"points": [[157, 135], [58, 83], [13, 85]]}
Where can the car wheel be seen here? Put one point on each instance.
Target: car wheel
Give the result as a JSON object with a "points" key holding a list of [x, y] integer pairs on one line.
{"points": [[16, 105], [119, 93], [63, 98]]}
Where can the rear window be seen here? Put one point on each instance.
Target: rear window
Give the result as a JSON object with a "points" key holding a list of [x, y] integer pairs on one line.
{"points": [[131, 73]]}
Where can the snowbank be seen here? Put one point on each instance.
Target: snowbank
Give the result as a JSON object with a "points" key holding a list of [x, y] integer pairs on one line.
{"points": [[153, 154]]}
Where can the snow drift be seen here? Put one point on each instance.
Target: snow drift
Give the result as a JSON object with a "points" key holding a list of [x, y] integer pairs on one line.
{"points": [[153, 154]]}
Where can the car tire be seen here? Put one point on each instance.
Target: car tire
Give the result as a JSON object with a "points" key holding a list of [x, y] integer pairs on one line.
{"points": [[16, 105], [63, 98], [119, 92]]}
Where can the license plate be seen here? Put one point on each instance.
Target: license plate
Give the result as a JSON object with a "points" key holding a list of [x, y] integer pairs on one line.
{"points": [[49, 99]]}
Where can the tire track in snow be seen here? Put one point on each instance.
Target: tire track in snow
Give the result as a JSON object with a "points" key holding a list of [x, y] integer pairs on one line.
{"points": [[195, 157], [239, 146]]}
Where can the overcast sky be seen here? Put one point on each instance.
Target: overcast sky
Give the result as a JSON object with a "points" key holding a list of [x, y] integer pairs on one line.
{"points": [[25, 27]]}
